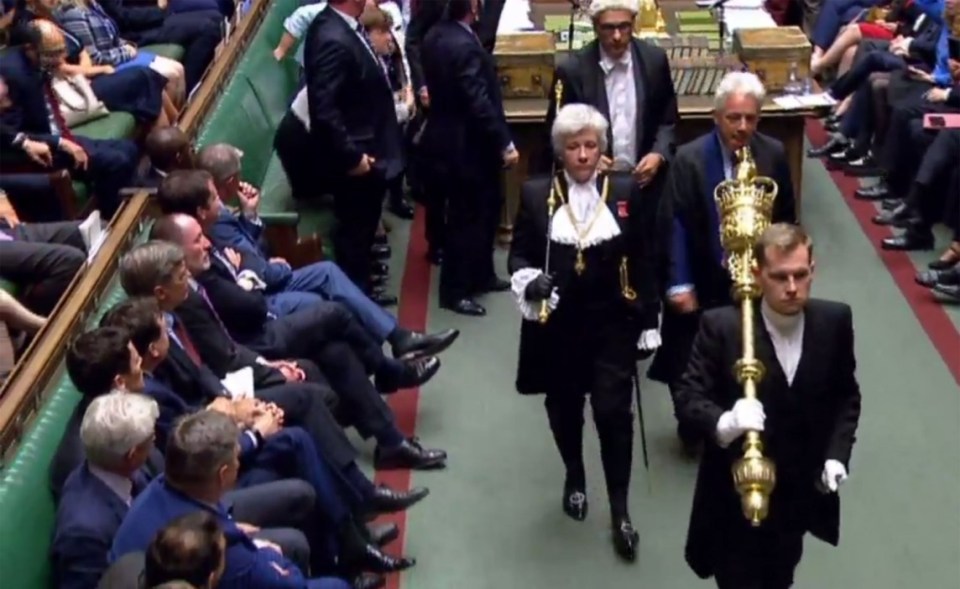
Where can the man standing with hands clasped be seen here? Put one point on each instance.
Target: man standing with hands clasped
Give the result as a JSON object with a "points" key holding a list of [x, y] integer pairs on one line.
{"points": [[807, 408]]}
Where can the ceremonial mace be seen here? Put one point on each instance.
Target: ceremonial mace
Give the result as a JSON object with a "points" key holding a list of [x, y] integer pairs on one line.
{"points": [[745, 205], [551, 204]]}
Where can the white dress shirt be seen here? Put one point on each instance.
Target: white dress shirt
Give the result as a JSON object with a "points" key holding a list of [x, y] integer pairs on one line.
{"points": [[786, 333], [622, 98]]}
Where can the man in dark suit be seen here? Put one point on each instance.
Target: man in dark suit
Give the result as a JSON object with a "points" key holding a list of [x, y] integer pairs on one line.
{"points": [[695, 275], [628, 81], [354, 125], [467, 142], [332, 347], [807, 406], [34, 114]]}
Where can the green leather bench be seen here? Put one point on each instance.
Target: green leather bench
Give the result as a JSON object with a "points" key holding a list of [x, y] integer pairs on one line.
{"points": [[27, 511], [247, 116]]}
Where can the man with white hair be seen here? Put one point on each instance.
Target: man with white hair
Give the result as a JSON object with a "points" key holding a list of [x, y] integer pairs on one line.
{"points": [[628, 81], [696, 275], [590, 268]]}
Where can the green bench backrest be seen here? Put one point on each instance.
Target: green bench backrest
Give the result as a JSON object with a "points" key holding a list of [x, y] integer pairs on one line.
{"points": [[256, 98], [27, 510]]}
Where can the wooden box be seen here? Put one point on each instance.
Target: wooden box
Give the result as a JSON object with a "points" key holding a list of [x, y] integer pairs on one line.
{"points": [[525, 63], [771, 52]]}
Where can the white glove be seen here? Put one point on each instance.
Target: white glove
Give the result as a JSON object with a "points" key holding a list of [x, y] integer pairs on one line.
{"points": [[834, 474], [747, 414]]}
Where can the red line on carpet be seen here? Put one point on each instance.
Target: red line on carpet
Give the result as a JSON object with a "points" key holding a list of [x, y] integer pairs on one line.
{"points": [[412, 314], [930, 313]]}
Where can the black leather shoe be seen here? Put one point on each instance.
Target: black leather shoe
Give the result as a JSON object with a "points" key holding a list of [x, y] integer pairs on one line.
{"points": [[931, 278], [369, 581], [902, 216], [418, 372], [435, 257], [382, 534], [909, 241], [417, 345], [378, 280], [387, 500], [842, 155], [465, 306], [383, 299], [889, 204], [835, 143], [949, 259], [878, 191], [862, 167], [575, 503], [380, 239], [381, 251], [373, 560], [625, 539], [496, 285], [409, 455], [948, 292], [379, 268], [401, 209]]}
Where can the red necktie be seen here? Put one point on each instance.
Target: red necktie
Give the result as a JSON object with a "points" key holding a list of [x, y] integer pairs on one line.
{"points": [[57, 115], [187, 343]]}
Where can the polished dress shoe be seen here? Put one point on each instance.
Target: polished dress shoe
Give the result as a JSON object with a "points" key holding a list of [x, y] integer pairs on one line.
{"points": [[381, 251], [496, 285], [379, 268], [401, 208], [878, 191], [435, 257], [378, 280], [948, 292], [394, 374], [949, 259], [380, 297], [862, 167], [902, 216], [372, 560], [414, 345], [387, 500], [465, 306], [931, 278], [575, 503], [409, 455], [911, 240], [888, 204], [625, 539], [369, 581], [834, 144], [381, 534]]}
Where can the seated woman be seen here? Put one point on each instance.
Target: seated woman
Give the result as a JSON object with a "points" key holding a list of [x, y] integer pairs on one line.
{"points": [[99, 34], [138, 91]]}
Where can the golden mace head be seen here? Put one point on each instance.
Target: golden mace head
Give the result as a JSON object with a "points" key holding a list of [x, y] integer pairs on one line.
{"points": [[745, 204]]}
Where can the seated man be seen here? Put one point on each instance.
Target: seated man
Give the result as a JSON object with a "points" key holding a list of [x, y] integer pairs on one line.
{"points": [[117, 433], [34, 114], [287, 290], [202, 462], [191, 548], [46, 257], [168, 149], [362, 405]]}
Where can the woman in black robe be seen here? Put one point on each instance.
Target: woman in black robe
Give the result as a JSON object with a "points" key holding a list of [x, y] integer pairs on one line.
{"points": [[598, 290]]}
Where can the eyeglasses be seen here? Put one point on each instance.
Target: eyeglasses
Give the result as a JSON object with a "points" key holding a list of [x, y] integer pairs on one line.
{"points": [[624, 28]]}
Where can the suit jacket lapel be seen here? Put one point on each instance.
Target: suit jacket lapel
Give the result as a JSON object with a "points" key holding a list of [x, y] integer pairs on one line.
{"points": [[595, 82], [767, 353]]}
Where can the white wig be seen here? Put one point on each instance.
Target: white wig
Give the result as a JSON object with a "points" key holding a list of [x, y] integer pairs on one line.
{"points": [[576, 118], [115, 424], [597, 7], [745, 83]]}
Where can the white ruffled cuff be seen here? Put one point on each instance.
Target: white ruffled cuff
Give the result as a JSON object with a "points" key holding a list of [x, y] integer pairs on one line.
{"points": [[650, 338], [518, 284]]}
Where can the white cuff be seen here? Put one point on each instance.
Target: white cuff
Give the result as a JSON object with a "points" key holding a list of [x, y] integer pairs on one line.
{"points": [[649, 340], [518, 284], [251, 279]]}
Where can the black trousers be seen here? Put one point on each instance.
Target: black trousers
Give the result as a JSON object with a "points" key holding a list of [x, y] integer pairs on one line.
{"points": [[611, 399], [906, 142], [44, 256], [473, 211], [936, 168], [293, 145], [763, 558], [328, 334], [198, 33], [357, 206]]}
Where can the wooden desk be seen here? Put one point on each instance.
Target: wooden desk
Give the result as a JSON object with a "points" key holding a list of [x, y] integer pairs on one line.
{"points": [[527, 119]]}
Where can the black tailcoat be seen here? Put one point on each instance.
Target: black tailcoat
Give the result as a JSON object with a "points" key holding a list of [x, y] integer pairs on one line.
{"points": [[808, 422]]}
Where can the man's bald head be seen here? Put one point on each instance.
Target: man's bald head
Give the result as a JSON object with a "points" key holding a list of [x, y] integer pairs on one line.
{"points": [[46, 44], [169, 148], [172, 228], [186, 232]]}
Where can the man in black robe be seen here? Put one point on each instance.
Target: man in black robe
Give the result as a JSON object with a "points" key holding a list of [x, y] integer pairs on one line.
{"points": [[807, 408], [695, 275]]}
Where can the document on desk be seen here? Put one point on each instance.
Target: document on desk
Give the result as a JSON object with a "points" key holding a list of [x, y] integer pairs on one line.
{"points": [[746, 18], [515, 17], [791, 102]]}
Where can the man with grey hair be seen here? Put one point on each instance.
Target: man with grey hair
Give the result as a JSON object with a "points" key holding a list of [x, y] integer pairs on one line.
{"points": [[694, 266], [202, 462], [117, 433], [628, 81]]}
